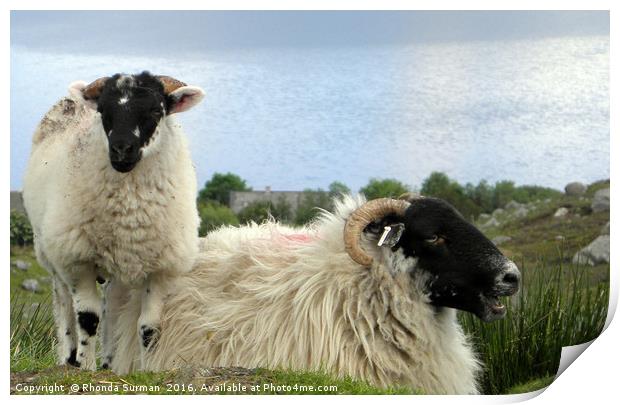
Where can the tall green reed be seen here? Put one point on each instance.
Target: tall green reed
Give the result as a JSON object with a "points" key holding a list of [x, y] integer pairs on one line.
{"points": [[556, 307]]}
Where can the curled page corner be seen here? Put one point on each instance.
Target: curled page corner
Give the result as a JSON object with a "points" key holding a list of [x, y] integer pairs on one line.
{"points": [[569, 355]]}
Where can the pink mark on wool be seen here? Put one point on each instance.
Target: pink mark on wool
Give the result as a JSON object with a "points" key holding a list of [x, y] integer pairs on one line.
{"points": [[300, 238]]}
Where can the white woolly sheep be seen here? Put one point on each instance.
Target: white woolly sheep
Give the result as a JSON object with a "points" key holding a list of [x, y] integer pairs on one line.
{"points": [[110, 191], [271, 296]]}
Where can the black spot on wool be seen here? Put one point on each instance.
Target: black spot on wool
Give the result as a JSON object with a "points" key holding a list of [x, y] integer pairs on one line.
{"points": [[88, 322]]}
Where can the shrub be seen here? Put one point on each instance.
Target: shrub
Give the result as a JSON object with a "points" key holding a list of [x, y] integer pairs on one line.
{"points": [[472, 200], [377, 188], [260, 211], [337, 189], [219, 188], [440, 186], [21, 230], [311, 200], [214, 215]]}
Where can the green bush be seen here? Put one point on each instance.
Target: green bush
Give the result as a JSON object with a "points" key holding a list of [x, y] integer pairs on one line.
{"points": [[214, 215], [337, 189], [472, 200], [311, 200], [21, 230], [219, 188], [260, 211], [440, 186], [378, 188]]}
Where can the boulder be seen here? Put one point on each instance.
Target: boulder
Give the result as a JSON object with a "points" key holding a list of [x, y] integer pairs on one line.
{"points": [[498, 211], [512, 205], [501, 239], [575, 189], [484, 217], [561, 212], [595, 253], [600, 201], [22, 265], [521, 212], [490, 223], [31, 285]]}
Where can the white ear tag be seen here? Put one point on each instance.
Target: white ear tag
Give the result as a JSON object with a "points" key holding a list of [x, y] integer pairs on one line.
{"points": [[391, 235]]}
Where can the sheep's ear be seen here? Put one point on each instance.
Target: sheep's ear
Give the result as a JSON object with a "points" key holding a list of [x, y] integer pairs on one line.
{"points": [[184, 98], [387, 233], [76, 91], [391, 235]]}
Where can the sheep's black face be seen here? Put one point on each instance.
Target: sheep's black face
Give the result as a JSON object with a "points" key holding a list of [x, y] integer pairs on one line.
{"points": [[467, 271], [131, 107]]}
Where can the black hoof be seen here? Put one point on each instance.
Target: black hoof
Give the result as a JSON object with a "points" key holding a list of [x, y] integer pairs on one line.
{"points": [[72, 359]]}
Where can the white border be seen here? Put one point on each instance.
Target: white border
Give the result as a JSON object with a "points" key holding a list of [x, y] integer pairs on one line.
{"points": [[592, 377]]}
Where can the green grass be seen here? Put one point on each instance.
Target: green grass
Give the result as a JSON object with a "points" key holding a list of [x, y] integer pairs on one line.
{"points": [[558, 307], [531, 386], [198, 381]]}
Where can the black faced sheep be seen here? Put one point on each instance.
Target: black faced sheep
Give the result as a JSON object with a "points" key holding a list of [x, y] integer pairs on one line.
{"points": [[110, 190], [377, 304]]}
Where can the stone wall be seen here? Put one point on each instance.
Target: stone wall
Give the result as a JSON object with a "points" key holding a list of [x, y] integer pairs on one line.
{"points": [[17, 203]]}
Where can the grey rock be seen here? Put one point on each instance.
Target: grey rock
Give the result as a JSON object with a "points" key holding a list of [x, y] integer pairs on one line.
{"points": [[605, 229], [521, 212], [498, 211], [484, 217], [600, 201], [500, 240], [31, 285], [561, 212], [513, 205], [595, 253], [490, 223], [575, 189], [22, 265]]}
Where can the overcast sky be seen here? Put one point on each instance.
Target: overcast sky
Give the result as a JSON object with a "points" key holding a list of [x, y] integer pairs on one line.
{"points": [[146, 31]]}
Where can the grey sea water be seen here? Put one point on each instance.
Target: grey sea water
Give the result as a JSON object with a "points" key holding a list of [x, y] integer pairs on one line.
{"points": [[534, 111]]}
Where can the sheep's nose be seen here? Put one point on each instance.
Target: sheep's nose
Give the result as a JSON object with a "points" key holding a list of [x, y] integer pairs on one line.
{"points": [[121, 150], [510, 276]]}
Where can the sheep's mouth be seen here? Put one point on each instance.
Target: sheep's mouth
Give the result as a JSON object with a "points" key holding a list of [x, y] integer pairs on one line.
{"points": [[493, 309], [123, 167]]}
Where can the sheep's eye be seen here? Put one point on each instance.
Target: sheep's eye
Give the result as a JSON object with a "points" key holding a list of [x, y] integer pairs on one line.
{"points": [[156, 114], [435, 240]]}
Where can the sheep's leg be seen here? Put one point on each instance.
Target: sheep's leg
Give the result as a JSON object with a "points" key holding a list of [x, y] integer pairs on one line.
{"points": [[65, 323], [115, 295], [87, 306], [153, 294]]}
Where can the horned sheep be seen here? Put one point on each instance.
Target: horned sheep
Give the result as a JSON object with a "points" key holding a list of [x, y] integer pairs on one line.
{"points": [[370, 292], [110, 191]]}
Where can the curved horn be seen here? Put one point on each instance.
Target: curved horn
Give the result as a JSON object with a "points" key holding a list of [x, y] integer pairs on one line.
{"points": [[170, 84], [93, 90], [361, 217]]}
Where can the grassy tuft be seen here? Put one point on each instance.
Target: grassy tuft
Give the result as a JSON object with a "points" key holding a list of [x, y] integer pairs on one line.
{"points": [[558, 307]]}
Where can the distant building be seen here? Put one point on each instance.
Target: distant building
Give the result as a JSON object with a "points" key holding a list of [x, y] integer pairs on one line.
{"points": [[17, 203], [241, 199]]}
